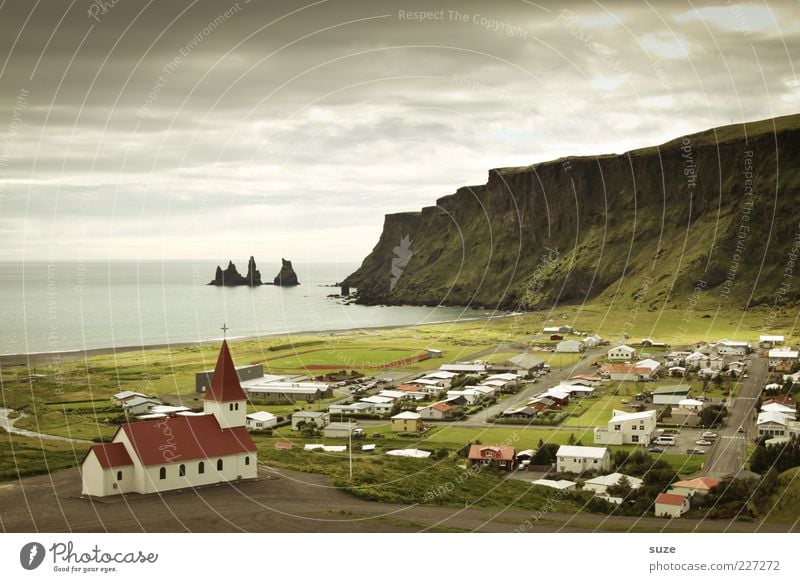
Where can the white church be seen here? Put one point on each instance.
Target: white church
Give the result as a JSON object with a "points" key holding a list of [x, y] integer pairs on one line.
{"points": [[151, 456]]}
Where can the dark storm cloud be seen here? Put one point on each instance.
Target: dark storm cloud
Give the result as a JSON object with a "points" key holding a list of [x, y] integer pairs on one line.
{"points": [[141, 127]]}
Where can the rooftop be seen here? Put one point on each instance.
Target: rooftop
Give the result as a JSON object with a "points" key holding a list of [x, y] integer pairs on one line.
{"points": [[581, 452]]}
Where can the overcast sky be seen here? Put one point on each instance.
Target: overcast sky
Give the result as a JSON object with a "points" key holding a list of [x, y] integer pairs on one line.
{"points": [[215, 129]]}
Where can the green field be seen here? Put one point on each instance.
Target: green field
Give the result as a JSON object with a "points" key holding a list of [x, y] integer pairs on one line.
{"points": [[24, 457]]}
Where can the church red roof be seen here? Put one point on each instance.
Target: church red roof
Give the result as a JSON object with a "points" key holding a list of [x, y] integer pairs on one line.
{"points": [[112, 455], [185, 438], [225, 385]]}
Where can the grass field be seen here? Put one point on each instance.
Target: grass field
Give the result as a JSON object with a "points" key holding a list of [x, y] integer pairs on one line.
{"points": [[597, 411], [24, 456]]}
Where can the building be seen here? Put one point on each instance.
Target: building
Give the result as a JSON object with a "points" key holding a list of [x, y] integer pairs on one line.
{"points": [[671, 395], [471, 395], [621, 353], [351, 409], [504, 455], [380, 404], [624, 428], [600, 485], [653, 365], [592, 341], [433, 353], [626, 372], [696, 360], [125, 395], [772, 424], [782, 355], [525, 362], [521, 413], [557, 329], [569, 346], [272, 389], [770, 341], [561, 484], [572, 459], [732, 348], [438, 411], [691, 405], [318, 418], [340, 429], [138, 405], [649, 342], [407, 422], [202, 380], [464, 368], [671, 505], [260, 420], [698, 486], [788, 411], [155, 456]]}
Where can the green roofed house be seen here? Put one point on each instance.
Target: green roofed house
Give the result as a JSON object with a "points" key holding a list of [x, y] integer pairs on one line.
{"points": [[670, 394]]}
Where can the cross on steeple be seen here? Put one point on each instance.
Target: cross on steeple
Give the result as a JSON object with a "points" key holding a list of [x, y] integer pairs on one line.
{"points": [[224, 329]]}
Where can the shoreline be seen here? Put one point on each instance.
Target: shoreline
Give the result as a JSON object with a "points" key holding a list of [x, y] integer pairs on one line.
{"points": [[46, 358]]}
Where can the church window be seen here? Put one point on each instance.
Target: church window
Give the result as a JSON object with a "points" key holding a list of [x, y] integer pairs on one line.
{"points": [[201, 467], [162, 473], [119, 475], [182, 471], [247, 460], [219, 464]]}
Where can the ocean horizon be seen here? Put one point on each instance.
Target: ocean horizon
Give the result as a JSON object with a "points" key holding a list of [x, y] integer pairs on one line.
{"points": [[65, 306]]}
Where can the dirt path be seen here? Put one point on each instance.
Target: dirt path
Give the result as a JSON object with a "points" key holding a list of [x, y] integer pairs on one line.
{"points": [[7, 424], [285, 501]]}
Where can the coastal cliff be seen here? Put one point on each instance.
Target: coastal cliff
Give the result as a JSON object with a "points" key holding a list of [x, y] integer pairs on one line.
{"points": [[286, 277], [231, 277], [713, 211]]}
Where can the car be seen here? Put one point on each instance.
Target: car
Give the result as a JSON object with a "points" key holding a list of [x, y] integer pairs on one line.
{"points": [[655, 450], [740, 429], [695, 452], [624, 400], [703, 443], [709, 435], [745, 375]]}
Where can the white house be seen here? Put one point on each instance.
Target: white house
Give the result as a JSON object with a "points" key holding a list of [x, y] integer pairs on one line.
{"points": [[380, 404], [601, 484], [732, 348], [770, 341], [472, 396], [261, 420], [627, 428], [696, 360], [561, 484], [340, 429], [691, 405], [787, 411], [690, 487], [592, 341], [773, 424], [464, 368], [350, 409], [154, 456], [139, 405], [671, 505], [430, 385], [572, 459], [311, 416], [653, 365], [525, 362], [621, 353], [782, 354], [557, 329], [569, 346]]}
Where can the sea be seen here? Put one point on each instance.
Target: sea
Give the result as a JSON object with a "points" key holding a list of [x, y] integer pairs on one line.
{"points": [[71, 306]]}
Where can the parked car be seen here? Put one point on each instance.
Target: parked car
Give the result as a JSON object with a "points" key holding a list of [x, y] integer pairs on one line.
{"points": [[703, 443], [655, 450], [710, 435], [695, 452], [740, 429], [745, 375]]}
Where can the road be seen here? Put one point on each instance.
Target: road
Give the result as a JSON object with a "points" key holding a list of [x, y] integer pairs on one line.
{"points": [[727, 456], [7, 424]]}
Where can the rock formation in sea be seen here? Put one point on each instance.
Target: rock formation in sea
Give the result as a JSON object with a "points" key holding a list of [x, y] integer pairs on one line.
{"points": [[287, 277], [231, 277]]}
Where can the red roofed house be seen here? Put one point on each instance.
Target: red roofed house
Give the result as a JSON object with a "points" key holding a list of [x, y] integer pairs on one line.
{"points": [[151, 456], [671, 505], [689, 487], [504, 455]]}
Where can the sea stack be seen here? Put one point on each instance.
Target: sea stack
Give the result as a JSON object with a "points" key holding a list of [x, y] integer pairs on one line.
{"points": [[231, 277], [287, 277]]}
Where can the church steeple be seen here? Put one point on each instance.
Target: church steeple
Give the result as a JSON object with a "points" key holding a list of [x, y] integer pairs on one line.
{"points": [[225, 398]]}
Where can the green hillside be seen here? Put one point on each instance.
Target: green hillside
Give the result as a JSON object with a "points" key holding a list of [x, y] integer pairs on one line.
{"points": [[708, 217]]}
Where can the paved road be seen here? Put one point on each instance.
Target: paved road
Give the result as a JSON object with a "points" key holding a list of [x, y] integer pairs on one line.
{"points": [[7, 424], [728, 454]]}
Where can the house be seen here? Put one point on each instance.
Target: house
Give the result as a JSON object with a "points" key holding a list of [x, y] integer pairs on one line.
{"points": [[523, 413], [788, 411], [126, 395], [690, 487], [573, 459], [464, 368], [649, 342], [793, 378], [731, 348], [472, 396], [320, 419], [716, 362], [154, 456], [691, 405], [626, 372], [671, 505], [770, 341], [138, 405], [653, 365], [340, 429], [557, 329], [737, 368], [771, 424], [433, 353], [592, 341], [561, 484], [556, 337], [525, 362], [621, 353], [785, 399], [260, 420], [782, 355], [696, 360], [574, 390], [442, 377], [569, 347], [202, 380], [351, 409], [280, 389], [708, 373], [429, 385], [438, 411], [504, 455], [671, 395], [407, 422], [600, 485], [627, 428], [499, 384], [677, 371], [380, 404]]}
